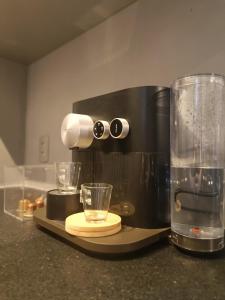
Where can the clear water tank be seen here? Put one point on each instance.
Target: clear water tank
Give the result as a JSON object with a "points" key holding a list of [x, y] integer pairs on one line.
{"points": [[197, 162]]}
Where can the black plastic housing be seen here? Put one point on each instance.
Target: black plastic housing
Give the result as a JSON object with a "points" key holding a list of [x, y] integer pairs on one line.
{"points": [[137, 166], [60, 206]]}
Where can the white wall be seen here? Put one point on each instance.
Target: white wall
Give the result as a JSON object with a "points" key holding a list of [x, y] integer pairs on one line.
{"points": [[150, 42], [12, 111]]}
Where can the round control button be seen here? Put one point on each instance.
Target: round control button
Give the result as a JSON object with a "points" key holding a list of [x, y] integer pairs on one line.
{"points": [[101, 130], [76, 131], [119, 128]]}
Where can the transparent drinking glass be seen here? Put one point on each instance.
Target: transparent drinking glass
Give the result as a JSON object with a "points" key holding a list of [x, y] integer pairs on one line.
{"points": [[96, 200], [67, 176]]}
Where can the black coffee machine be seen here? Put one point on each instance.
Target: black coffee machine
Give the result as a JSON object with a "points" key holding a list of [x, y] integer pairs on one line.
{"points": [[122, 138]]}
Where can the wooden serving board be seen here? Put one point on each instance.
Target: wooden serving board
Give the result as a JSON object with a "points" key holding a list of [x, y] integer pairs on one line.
{"points": [[93, 233], [77, 222]]}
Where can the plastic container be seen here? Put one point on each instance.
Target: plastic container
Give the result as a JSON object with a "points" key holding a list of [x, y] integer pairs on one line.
{"points": [[197, 136], [25, 189]]}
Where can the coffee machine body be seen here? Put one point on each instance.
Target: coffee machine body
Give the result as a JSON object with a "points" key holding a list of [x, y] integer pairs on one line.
{"points": [[130, 150], [121, 138]]}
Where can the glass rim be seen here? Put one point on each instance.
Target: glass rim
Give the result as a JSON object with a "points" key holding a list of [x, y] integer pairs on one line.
{"points": [[198, 78], [96, 185]]}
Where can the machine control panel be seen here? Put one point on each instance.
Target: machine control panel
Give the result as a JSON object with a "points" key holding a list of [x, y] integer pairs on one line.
{"points": [[77, 131], [119, 128], [101, 130]]}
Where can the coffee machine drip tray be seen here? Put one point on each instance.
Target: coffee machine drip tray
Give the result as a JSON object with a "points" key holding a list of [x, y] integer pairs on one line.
{"points": [[129, 239]]}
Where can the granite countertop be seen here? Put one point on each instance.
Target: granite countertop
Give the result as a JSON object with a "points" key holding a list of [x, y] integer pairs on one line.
{"points": [[36, 265]]}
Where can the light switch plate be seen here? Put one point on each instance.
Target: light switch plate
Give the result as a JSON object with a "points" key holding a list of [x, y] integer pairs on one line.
{"points": [[44, 148]]}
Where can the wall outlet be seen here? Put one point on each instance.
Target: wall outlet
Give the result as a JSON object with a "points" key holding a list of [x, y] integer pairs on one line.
{"points": [[44, 148]]}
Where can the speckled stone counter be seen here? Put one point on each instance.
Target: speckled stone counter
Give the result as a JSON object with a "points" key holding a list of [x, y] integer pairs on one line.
{"points": [[37, 265]]}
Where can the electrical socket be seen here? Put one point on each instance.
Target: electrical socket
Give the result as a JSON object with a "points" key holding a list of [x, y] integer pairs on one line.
{"points": [[44, 149]]}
